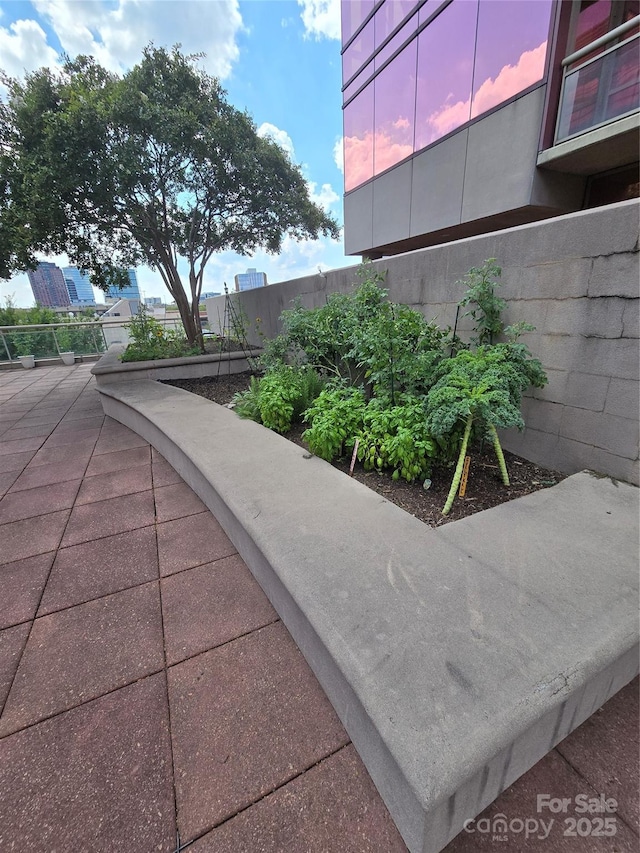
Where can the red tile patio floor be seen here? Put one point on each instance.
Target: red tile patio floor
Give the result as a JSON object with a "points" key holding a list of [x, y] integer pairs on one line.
{"points": [[151, 698]]}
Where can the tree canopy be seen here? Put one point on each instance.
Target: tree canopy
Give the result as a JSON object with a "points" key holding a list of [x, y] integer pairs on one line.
{"points": [[147, 168]]}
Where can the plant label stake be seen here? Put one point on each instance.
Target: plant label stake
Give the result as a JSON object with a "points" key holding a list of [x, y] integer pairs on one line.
{"points": [[353, 457], [465, 475]]}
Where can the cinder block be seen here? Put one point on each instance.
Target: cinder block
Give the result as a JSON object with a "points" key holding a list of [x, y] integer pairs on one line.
{"points": [[615, 275], [623, 398], [542, 415], [554, 390], [586, 391], [589, 317], [630, 319], [575, 456], [609, 432]]}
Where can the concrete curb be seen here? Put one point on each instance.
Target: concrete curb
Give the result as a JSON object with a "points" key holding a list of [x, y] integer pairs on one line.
{"points": [[110, 369], [456, 658]]}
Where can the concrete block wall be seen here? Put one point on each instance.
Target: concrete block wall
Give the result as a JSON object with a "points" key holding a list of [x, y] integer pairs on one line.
{"points": [[577, 279]]}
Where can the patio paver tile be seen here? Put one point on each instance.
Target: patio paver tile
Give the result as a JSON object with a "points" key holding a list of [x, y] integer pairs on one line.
{"points": [[18, 431], [163, 473], [119, 461], [7, 479], [12, 641], [22, 583], [605, 750], [333, 807], [39, 501], [111, 443], [45, 475], [74, 437], [84, 572], [552, 776], [211, 605], [19, 445], [96, 778], [108, 517], [81, 653], [91, 422], [114, 484], [15, 461], [19, 542], [176, 501], [191, 541], [245, 718], [67, 453]]}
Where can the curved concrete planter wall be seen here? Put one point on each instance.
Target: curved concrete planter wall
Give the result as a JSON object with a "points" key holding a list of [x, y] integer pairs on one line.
{"points": [[110, 369], [455, 657]]}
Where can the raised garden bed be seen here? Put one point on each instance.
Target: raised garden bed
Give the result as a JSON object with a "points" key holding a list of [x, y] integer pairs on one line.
{"points": [[484, 489]]}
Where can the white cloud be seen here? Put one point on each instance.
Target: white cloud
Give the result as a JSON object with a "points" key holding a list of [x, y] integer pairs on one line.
{"points": [[321, 18], [338, 153], [280, 136], [23, 48], [115, 34], [325, 198]]}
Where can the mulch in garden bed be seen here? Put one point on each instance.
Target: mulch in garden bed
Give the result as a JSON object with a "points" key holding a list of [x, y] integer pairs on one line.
{"points": [[484, 487]]}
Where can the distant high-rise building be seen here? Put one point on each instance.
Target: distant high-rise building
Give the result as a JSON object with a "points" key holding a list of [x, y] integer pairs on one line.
{"points": [[130, 292], [250, 279], [79, 286], [48, 285]]}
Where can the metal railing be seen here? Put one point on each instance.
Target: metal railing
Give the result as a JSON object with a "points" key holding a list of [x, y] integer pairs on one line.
{"points": [[50, 340], [604, 87]]}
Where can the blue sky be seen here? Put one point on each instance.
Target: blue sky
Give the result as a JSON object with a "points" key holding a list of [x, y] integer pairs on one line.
{"points": [[279, 59]]}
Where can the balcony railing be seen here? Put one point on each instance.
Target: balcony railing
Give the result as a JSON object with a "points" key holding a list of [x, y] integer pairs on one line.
{"points": [[603, 87]]}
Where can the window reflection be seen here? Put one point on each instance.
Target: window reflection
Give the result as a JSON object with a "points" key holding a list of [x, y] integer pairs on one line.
{"points": [[389, 16], [357, 53], [395, 89], [445, 71], [353, 14], [358, 139], [511, 50]]}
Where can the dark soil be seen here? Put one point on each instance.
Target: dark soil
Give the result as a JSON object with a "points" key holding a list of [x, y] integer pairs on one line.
{"points": [[484, 487]]}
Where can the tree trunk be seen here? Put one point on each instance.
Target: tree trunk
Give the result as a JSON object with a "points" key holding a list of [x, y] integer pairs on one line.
{"points": [[458, 472]]}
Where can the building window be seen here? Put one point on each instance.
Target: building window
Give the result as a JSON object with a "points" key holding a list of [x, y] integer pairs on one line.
{"points": [[511, 50], [358, 139], [600, 84], [445, 72], [395, 102]]}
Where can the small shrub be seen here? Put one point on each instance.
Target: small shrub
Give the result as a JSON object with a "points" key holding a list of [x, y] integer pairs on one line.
{"points": [[280, 397], [335, 420], [396, 437], [150, 340]]}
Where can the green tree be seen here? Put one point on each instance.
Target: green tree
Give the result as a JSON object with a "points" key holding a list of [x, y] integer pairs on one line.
{"points": [[151, 167]]}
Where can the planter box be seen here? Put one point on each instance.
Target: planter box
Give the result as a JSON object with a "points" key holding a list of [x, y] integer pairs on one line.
{"points": [[27, 361], [68, 358], [110, 369]]}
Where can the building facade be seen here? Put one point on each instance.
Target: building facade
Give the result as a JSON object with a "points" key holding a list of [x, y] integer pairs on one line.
{"points": [[250, 279], [130, 292], [462, 117], [48, 285], [78, 286]]}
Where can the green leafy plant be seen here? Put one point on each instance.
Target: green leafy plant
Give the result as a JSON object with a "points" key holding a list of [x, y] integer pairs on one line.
{"points": [[335, 420], [280, 397], [484, 386], [481, 283], [150, 340], [397, 437]]}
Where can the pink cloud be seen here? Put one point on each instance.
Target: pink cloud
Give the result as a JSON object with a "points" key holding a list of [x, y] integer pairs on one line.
{"points": [[511, 80]]}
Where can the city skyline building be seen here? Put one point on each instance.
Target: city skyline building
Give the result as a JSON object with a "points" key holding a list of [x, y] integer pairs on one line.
{"points": [[48, 285], [463, 117], [130, 292], [79, 286], [250, 279]]}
